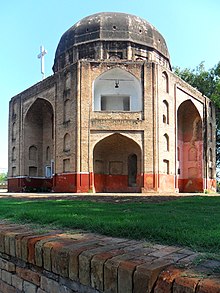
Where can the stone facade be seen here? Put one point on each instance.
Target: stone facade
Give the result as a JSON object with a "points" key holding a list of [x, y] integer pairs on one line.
{"points": [[112, 118]]}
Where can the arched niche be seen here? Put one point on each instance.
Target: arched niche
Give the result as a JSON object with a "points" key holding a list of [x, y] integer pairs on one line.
{"points": [[33, 153], [166, 142], [117, 164], [14, 131], [66, 110], [117, 90], [210, 155], [13, 154], [66, 142], [165, 112], [38, 132], [192, 154], [165, 82]]}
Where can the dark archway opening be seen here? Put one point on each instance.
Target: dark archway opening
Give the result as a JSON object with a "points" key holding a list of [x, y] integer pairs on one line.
{"points": [[132, 170]]}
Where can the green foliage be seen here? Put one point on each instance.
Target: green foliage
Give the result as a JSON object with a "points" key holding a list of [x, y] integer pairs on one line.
{"points": [[208, 83], [189, 221], [3, 178]]}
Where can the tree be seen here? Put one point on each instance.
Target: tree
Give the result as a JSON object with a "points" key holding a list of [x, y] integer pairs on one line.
{"points": [[3, 178], [208, 83]]}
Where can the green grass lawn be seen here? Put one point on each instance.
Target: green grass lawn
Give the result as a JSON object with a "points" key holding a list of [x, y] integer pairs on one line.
{"points": [[189, 221]]}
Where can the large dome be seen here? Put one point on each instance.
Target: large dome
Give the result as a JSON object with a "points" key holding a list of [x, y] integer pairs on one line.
{"points": [[111, 27]]}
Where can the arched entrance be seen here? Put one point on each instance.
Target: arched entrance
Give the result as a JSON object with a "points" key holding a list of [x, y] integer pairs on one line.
{"points": [[117, 165], [190, 148], [38, 139]]}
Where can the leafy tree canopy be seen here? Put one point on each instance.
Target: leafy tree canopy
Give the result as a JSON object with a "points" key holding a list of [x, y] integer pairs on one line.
{"points": [[206, 81], [3, 177]]}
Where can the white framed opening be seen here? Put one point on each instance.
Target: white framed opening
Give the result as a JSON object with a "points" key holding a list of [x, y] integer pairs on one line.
{"points": [[117, 90]]}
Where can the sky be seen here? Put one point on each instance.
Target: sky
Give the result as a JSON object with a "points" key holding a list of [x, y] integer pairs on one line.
{"points": [[190, 28]]}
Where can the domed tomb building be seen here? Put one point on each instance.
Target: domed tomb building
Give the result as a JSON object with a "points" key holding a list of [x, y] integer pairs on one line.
{"points": [[112, 118]]}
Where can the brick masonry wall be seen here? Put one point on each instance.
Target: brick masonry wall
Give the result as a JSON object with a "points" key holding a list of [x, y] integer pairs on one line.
{"points": [[69, 95], [55, 262]]}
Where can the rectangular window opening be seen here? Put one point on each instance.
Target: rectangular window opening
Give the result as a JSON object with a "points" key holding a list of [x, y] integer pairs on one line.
{"points": [[115, 103], [48, 172]]}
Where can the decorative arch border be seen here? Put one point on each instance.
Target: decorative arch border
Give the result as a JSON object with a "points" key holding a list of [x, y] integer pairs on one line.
{"points": [[105, 135]]}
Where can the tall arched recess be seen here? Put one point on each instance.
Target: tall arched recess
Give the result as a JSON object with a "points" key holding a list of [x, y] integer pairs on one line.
{"points": [[190, 148], [117, 165], [38, 132], [117, 90]]}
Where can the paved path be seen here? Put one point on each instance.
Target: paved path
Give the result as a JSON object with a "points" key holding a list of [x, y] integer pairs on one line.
{"points": [[104, 197]]}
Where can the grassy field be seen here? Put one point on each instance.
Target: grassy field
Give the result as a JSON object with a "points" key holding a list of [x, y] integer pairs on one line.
{"points": [[189, 221]]}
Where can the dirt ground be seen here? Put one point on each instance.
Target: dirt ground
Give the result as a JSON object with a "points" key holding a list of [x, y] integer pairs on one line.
{"points": [[98, 197]]}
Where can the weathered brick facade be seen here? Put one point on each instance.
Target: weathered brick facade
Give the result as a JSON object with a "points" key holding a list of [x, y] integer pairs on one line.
{"points": [[112, 118]]}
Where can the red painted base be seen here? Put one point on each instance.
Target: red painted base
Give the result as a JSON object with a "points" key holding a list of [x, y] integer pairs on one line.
{"points": [[82, 183], [115, 183], [191, 185], [64, 182], [28, 184], [159, 183], [69, 182], [150, 182]]}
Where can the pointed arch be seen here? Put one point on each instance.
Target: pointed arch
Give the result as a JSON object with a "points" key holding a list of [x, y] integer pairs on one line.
{"points": [[66, 142], [165, 81], [117, 164], [13, 154], [190, 144], [165, 112], [166, 142], [14, 131], [33, 153], [192, 154], [38, 136], [117, 90], [48, 154]]}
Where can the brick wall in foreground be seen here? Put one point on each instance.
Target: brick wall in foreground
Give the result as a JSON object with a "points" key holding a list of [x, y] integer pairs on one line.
{"points": [[56, 262]]}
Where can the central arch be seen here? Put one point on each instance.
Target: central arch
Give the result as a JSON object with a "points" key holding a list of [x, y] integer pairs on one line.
{"points": [[117, 165]]}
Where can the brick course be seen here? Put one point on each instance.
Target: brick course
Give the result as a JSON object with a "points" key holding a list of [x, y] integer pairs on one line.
{"points": [[89, 263]]}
